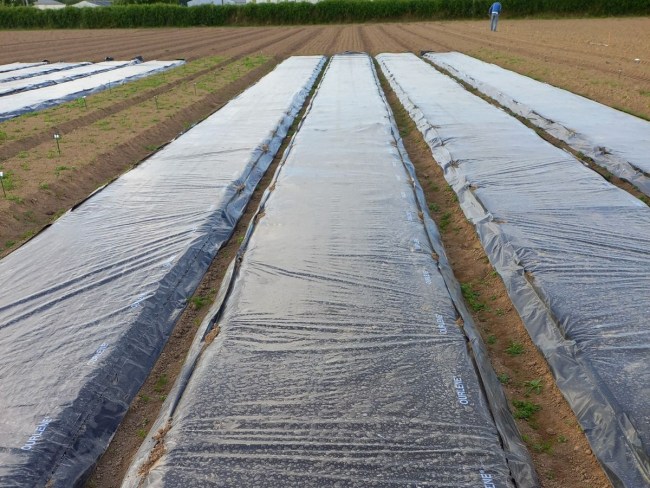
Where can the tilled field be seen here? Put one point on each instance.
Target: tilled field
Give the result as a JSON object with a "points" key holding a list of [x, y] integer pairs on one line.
{"points": [[595, 58]]}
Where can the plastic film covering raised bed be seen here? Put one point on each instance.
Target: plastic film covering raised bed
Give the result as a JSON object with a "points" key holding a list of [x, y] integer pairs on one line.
{"points": [[571, 248], [36, 70], [88, 304], [47, 79], [615, 140], [42, 98], [16, 66], [339, 361]]}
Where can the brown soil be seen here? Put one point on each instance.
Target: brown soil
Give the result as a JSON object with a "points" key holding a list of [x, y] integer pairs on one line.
{"points": [[592, 57]]}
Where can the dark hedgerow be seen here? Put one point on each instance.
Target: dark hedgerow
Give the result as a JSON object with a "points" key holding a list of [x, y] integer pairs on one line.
{"points": [[141, 14]]}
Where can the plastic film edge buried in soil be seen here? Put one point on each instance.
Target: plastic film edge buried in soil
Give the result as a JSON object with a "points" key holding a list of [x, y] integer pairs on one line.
{"points": [[614, 439], [517, 456], [69, 438]]}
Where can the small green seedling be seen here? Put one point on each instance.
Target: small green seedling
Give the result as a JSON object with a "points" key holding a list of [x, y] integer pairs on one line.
{"points": [[515, 348], [472, 297], [533, 386], [198, 302], [161, 382], [525, 409], [444, 221], [543, 446]]}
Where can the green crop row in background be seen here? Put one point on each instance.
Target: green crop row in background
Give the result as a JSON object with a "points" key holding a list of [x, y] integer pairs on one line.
{"points": [[287, 13]]}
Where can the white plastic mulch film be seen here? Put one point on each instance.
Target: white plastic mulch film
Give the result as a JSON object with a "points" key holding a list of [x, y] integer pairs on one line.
{"points": [[46, 97], [615, 140], [571, 248], [33, 82], [87, 305], [339, 361], [36, 70], [17, 66]]}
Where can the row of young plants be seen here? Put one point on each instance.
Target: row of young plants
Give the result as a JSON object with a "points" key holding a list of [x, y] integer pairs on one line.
{"points": [[290, 13]]}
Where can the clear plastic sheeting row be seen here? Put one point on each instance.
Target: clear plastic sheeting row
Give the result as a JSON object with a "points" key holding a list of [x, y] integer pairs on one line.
{"points": [[87, 305], [17, 66], [339, 360], [36, 70], [33, 82], [571, 248], [49, 96], [613, 139]]}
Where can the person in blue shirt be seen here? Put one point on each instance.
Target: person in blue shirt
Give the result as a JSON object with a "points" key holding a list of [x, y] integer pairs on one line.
{"points": [[495, 10]]}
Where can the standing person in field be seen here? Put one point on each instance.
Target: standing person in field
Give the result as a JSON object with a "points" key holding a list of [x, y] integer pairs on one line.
{"points": [[495, 10]]}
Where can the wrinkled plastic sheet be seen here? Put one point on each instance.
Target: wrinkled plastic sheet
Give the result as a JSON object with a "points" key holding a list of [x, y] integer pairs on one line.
{"points": [[613, 139], [49, 96], [339, 361], [47, 79], [571, 248], [16, 66], [88, 304], [36, 71]]}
